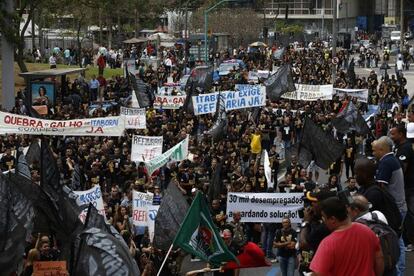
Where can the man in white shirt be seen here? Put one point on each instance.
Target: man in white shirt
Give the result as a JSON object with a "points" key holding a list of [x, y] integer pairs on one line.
{"points": [[52, 61], [359, 210], [399, 65]]}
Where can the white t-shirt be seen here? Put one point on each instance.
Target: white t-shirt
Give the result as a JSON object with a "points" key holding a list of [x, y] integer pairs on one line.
{"points": [[368, 216], [52, 60], [400, 64]]}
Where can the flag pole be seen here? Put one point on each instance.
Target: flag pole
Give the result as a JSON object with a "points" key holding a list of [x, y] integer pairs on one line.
{"points": [[204, 270], [165, 259]]}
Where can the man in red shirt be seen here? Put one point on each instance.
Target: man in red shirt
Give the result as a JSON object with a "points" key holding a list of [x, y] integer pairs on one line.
{"points": [[351, 248]]}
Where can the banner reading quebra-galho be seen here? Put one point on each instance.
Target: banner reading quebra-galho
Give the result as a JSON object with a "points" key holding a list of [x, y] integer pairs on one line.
{"points": [[265, 207], [18, 124], [94, 196], [145, 147], [307, 92], [168, 102], [134, 117]]}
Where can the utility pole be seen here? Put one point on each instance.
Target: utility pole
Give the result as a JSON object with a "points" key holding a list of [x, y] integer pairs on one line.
{"points": [[185, 37], [401, 25], [323, 19], [334, 35], [346, 20], [7, 64], [264, 23]]}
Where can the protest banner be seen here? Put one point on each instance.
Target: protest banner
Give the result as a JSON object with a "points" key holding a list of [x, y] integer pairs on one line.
{"points": [[48, 268], [140, 201], [253, 76], [145, 148], [265, 207], [245, 96], [360, 94], [18, 124], [177, 153], [305, 92], [152, 211], [134, 117], [169, 88], [205, 103], [168, 102], [94, 196], [263, 74]]}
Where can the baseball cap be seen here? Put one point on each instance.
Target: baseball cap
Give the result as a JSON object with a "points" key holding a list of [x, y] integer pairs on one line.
{"points": [[319, 196], [410, 130]]}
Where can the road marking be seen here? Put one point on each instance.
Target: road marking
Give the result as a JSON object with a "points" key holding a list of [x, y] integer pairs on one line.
{"points": [[273, 272]]}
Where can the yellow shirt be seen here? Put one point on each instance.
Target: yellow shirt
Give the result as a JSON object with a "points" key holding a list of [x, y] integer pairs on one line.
{"points": [[255, 144]]}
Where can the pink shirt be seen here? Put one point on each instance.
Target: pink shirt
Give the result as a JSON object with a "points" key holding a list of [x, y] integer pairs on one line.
{"points": [[348, 252]]}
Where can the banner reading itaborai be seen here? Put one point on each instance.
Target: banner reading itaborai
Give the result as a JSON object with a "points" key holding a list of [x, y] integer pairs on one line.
{"points": [[265, 207]]}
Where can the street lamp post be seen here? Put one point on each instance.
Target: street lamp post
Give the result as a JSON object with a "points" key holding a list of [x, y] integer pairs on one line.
{"points": [[206, 24]]}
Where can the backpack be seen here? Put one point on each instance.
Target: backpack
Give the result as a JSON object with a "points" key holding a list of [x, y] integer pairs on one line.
{"points": [[390, 210], [388, 239]]}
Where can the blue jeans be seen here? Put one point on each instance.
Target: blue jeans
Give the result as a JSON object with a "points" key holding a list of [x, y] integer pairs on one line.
{"points": [[268, 235], [287, 265], [401, 260]]}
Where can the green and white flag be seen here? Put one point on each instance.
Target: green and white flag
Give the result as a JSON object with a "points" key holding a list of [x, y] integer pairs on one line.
{"points": [[177, 153], [199, 236]]}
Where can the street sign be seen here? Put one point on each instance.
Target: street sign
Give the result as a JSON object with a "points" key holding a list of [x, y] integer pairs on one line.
{"points": [[335, 60]]}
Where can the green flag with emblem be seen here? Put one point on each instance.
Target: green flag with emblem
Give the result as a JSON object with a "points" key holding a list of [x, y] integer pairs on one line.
{"points": [[199, 236]]}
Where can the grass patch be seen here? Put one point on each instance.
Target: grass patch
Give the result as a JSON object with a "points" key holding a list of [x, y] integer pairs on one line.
{"points": [[20, 84]]}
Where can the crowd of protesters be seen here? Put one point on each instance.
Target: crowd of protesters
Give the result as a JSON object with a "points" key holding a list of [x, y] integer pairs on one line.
{"points": [[106, 161]]}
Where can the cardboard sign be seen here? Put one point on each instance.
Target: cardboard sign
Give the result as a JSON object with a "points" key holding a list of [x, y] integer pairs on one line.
{"points": [[50, 268], [145, 148]]}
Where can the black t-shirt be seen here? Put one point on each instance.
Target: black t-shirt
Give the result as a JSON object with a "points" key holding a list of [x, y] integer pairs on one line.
{"points": [[283, 235], [286, 131], [405, 154]]}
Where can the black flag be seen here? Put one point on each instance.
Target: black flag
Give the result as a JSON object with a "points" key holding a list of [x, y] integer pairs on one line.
{"points": [[219, 128], [318, 145], [142, 91], [96, 251], [16, 225], [77, 179], [170, 215], [351, 73], [200, 81], [279, 83], [349, 119], [216, 182], [22, 167], [33, 154]]}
